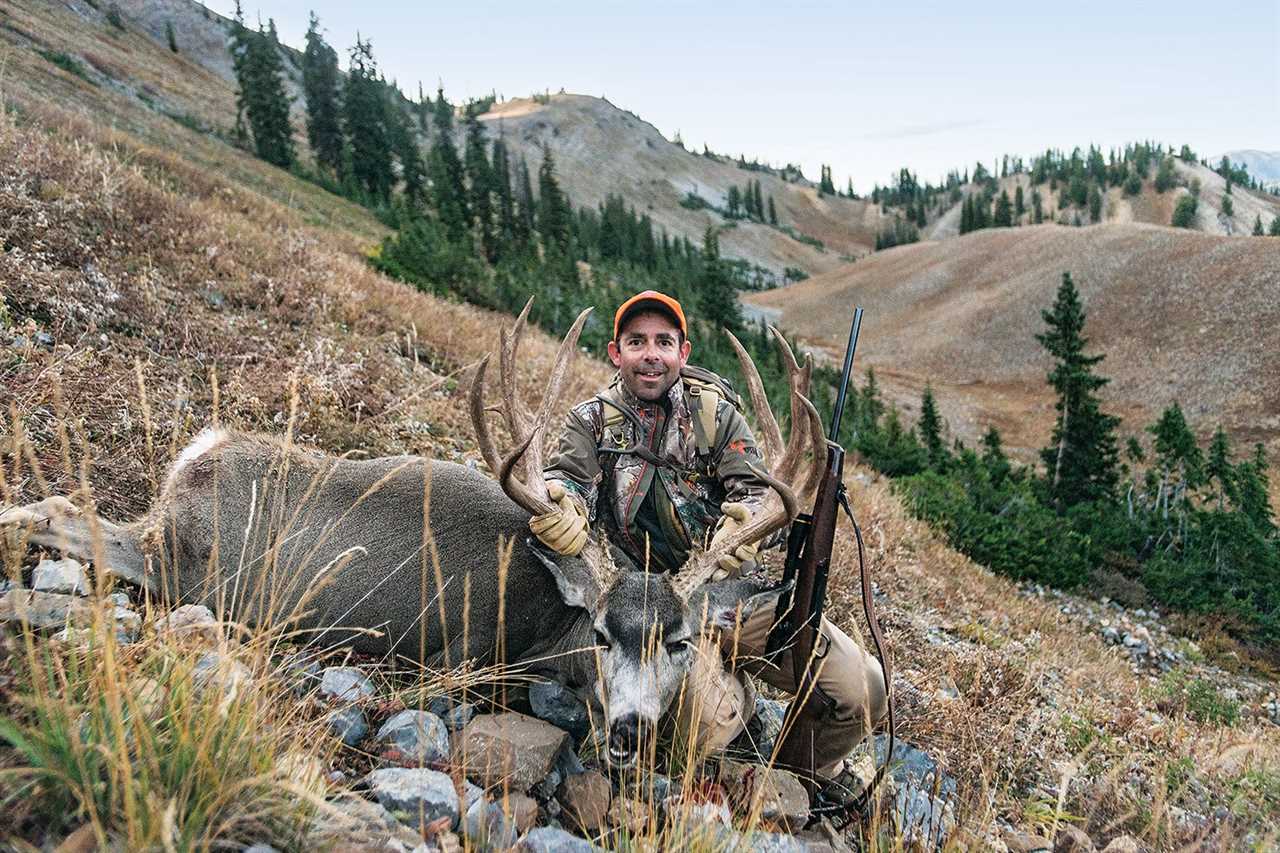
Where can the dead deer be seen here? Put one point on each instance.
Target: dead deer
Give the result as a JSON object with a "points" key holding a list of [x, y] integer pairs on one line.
{"points": [[432, 560]]}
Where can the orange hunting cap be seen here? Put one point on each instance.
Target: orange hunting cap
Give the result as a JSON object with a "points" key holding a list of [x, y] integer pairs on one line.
{"points": [[650, 300]]}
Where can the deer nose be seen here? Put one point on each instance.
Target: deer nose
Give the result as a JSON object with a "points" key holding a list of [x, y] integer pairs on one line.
{"points": [[624, 738]]}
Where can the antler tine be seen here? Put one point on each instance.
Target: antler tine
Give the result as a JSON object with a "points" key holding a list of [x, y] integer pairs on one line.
{"points": [[781, 507], [514, 411], [818, 438], [799, 376], [533, 496], [483, 437], [770, 435], [555, 384]]}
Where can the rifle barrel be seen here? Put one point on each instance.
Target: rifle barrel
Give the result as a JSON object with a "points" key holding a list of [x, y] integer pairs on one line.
{"points": [[834, 434]]}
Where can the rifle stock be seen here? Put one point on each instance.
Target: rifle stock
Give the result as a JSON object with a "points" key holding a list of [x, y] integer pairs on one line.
{"points": [[807, 712]]}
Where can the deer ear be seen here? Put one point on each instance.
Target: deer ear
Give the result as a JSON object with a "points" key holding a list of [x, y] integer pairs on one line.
{"points": [[724, 600], [573, 577]]}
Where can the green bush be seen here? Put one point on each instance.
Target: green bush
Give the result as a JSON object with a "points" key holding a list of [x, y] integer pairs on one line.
{"points": [[1184, 215], [68, 63]]}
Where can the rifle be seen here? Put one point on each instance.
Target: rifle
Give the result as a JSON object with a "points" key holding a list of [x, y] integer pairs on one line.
{"points": [[799, 612]]}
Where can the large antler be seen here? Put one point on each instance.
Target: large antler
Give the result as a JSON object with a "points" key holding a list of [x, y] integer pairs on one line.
{"points": [[527, 429], [781, 505]]}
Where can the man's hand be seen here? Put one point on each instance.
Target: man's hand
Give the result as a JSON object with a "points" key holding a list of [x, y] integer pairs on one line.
{"points": [[564, 529], [735, 515]]}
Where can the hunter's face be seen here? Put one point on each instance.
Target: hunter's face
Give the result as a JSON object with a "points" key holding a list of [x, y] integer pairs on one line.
{"points": [[649, 353]]}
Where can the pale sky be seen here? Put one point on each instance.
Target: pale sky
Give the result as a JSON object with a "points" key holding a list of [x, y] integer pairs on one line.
{"points": [[865, 87]]}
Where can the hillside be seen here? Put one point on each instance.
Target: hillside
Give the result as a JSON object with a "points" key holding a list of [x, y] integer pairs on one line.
{"points": [[602, 149], [599, 149], [1181, 316], [1148, 206]]}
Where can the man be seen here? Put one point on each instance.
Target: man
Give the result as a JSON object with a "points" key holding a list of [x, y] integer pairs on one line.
{"points": [[662, 459]]}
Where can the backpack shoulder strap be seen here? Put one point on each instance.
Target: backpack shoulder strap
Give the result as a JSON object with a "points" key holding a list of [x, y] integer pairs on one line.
{"points": [[703, 392]]}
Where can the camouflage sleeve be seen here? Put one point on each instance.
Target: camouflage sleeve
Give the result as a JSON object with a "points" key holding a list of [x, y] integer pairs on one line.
{"points": [[575, 462], [736, 451]]}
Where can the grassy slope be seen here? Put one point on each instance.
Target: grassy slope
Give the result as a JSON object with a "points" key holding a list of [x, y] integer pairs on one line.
{"points": [[1181, 316], [192, 259]]}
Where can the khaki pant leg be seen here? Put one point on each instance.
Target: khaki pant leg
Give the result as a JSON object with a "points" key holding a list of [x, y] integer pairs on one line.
{"points": [[850, 682], [714, 705]]}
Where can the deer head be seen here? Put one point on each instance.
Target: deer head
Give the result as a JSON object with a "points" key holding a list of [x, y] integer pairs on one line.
{"points": [[645, 624]]}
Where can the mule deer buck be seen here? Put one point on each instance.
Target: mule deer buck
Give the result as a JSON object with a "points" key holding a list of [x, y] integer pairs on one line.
{"points": [[431, 559]]}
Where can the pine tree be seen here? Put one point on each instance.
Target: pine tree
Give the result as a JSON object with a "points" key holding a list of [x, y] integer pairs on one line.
{"points": [[931, 431], [773, 213], [1257, 226], [1165, 176], [993, 456], [1218, 468], [1082, 460], [759, 201], [448, 189], [526, 207], [1095, 204], [1004, 212], [1037, 207], [261, 97], [718, 297], [1019, 206], [501, 179], [480, 183], [1228, 208], [825, 185], [1274, 230], [404, 142], [320, 88], [170, 37], [554, 213], [734, 202], [364, 119]]}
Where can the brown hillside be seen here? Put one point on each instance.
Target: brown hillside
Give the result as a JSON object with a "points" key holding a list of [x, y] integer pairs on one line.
{"points": [[601, 149], [1181, 316]]}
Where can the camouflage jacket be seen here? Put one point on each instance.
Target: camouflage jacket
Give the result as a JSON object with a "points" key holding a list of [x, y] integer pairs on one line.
{"points": [[688, 489]]}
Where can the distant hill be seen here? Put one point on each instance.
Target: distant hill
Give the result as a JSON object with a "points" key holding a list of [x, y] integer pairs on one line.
{"points": [[1180, 316], [1148, 205], [1263, 165], [601, 149]]}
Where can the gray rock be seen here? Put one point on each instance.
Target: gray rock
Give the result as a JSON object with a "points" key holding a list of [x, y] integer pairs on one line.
{"points": [[585, 799], [65, 577], [549, 839], [509, 748], [487, 826], [563, 708], [302, 671], [923, 818], [421, 794], [190, 620], [782, 799], [766, 842], [348, 724], [761, 733], [259, 848], [420, 735], [1111, 635], [220, 672], [357, 823], [44, 609], [345, 684], [458, 716], [121, 599]]}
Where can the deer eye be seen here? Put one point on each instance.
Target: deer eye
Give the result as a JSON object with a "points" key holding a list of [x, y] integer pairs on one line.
{"points": [[678, 647]]}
